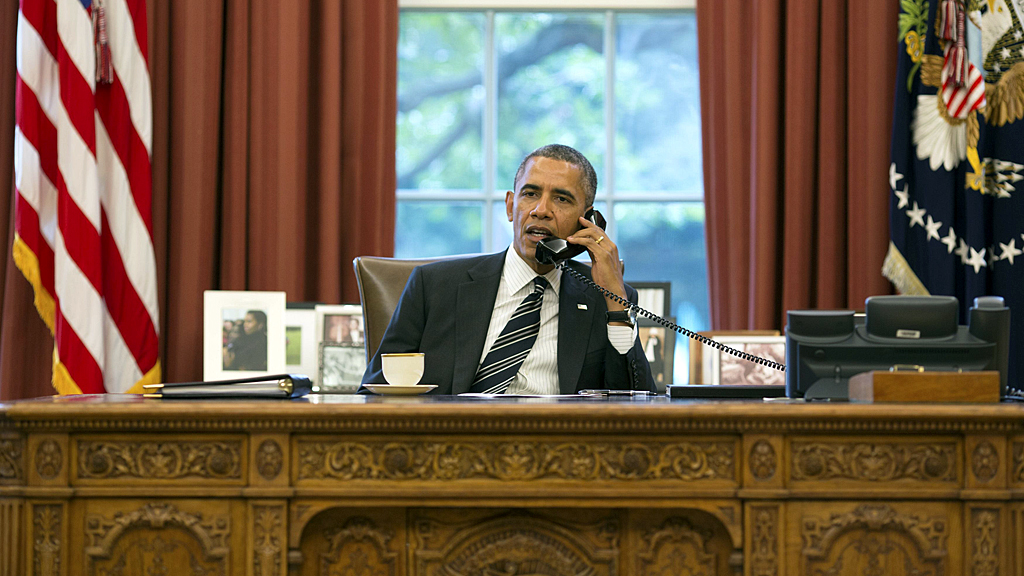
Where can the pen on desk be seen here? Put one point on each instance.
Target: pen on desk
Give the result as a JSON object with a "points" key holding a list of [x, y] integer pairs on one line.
{"points": [[592, 392]]}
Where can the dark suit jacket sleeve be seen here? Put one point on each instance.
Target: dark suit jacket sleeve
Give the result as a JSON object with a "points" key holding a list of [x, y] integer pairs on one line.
{"points": [[405, 331], [629, 371]]}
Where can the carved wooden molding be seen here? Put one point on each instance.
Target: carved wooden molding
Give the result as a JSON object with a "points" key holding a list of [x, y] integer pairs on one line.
{"points": [[267, 524], [874, 462], [764, 541], [985, 461], [676, 547], [984, 529], [47, 520], [516, 461], [459, 423], [930, 535], [341, 559], [762, 460], [102, 533], [49, 459], [269, 459], [1018, 461], [517, 544], [11, 450], [159, 460]]}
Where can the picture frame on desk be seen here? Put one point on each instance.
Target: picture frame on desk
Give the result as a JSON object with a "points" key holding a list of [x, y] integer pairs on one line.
{"points": [[654, 297], [341, 368], [243, 334], [340, 324], [720, 367], [341, 342], [659, 344], [301, 352]]}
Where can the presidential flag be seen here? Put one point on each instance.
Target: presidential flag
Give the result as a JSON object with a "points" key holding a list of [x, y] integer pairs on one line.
{"points": [[83, 225], [957, 196]]}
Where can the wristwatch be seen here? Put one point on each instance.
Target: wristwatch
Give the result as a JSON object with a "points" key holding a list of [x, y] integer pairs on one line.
{"points": [[627, 316]]}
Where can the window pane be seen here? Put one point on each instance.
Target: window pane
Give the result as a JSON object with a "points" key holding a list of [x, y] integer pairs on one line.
{"points": [[551, 73], [664, 241], [425, 229], [657, 104], [440, 100]]}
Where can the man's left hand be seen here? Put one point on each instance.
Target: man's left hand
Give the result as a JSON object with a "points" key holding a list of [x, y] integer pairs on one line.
{"points": [[604, 255]]}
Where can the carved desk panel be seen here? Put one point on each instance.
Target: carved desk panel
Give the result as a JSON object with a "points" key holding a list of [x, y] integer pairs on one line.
{"points": [[442, 487]]}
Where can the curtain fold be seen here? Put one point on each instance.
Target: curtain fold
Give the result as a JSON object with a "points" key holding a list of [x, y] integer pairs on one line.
{"points": [[273, 163], [796, 100]]}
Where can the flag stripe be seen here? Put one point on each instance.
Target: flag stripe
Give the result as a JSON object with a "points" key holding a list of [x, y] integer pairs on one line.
{"points": [[78, 302], [42, 76], [27, 224], [125, 307], [134, 166], [131, 241], [74, 29], [137, 8], [72, 352], [36, 188], [42, 15], [130, 67]]}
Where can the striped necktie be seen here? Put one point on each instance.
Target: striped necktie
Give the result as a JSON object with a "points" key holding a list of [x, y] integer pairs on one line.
{"points": [[513, 345]]}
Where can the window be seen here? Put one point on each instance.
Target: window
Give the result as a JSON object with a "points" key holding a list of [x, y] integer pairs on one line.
{"points": [[480, 89]]}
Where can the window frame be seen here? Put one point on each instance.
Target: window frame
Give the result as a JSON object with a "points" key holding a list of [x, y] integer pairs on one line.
{"points": [[490, 193]]}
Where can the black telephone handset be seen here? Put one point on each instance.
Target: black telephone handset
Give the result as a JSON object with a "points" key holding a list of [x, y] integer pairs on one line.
{"points": [[552, 250], [556, 251]]}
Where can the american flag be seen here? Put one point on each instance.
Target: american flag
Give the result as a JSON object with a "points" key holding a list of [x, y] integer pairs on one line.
{"points": [[83, 223]]}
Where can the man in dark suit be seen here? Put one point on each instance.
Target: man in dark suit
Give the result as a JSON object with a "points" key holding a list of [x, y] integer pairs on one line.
{"points": [[462, 313]]}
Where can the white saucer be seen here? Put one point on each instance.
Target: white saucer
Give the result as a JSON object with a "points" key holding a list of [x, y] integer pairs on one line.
{"points": [[400, 390]]}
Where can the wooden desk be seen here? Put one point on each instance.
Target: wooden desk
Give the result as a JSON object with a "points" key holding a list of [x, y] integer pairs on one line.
{"points": [[402, 486]]}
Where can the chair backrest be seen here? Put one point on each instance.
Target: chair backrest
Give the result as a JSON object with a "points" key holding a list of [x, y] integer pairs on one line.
{"points": [[381, 281]]}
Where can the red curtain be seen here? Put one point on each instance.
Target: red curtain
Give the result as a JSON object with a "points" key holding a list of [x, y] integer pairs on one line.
{"points": [[273, 163], [796, 101]]}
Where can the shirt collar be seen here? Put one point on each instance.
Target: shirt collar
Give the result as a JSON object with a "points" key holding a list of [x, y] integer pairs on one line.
{"points": [[517, 273]]}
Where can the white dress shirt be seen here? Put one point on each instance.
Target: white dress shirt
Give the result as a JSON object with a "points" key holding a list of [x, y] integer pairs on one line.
{"points": [[539, 372]]}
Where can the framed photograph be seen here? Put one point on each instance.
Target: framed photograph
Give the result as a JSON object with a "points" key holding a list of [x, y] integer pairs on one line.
{"points": [[243, 334], [340, 324], [723, 368], [341, 368], [654, 297], [659, 344], [300, 349]]}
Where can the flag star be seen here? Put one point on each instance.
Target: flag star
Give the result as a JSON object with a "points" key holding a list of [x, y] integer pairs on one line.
{"points": [[1017, 35], [977, 260], [997, 67], [933, 228], [950, 241], [904, 197], [916, 216], [1005, 53], [992, 258], [893, 176], [962, 251], [1010, 250]]}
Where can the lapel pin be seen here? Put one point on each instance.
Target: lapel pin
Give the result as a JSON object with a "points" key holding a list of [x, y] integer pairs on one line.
{"points": [[581, 306]]}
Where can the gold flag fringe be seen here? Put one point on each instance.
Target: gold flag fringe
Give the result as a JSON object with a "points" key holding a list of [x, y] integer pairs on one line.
{"points": [[899, 272]]}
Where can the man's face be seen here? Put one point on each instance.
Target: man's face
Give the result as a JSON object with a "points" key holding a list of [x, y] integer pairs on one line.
{"points": [[547, 202]]}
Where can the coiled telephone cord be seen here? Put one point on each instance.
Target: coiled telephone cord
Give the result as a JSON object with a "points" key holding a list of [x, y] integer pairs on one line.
{"points": [[672, 325]]}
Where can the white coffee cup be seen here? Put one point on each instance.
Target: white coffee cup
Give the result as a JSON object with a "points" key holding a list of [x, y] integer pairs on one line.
{"points": [[402, 369]]}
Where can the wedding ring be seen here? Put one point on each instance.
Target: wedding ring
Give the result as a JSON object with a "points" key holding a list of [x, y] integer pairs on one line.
{"points": [[598, 241]]}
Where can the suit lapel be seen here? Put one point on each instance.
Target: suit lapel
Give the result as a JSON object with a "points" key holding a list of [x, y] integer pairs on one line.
{"points": [[474, 305], [574, 327]]}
